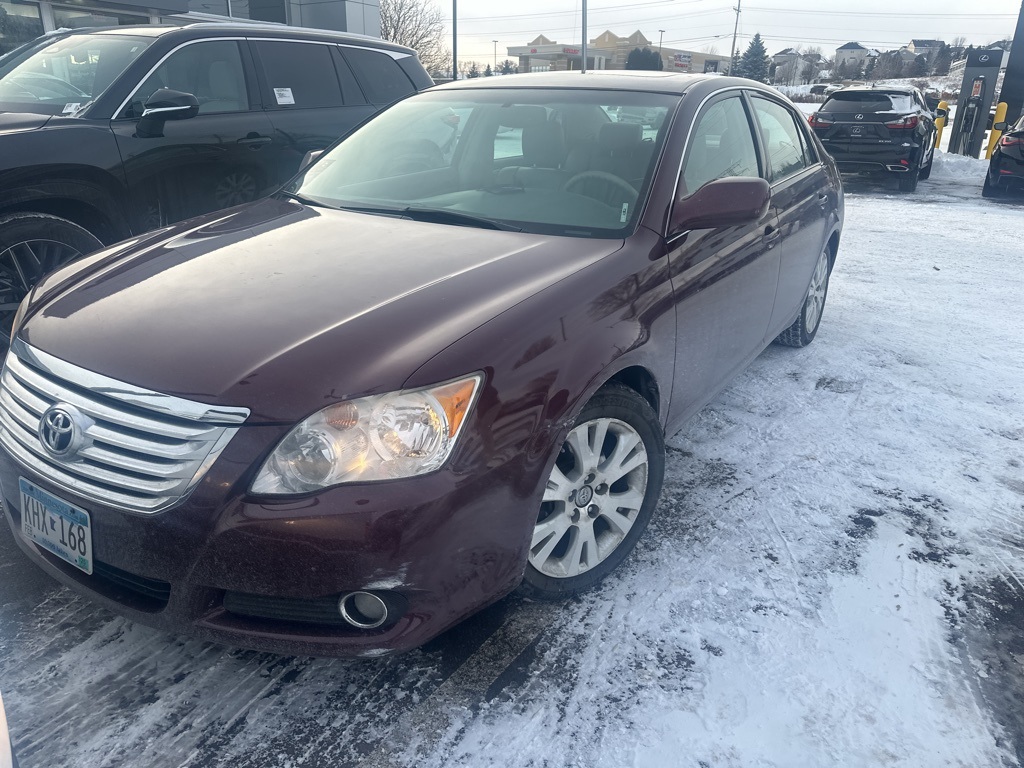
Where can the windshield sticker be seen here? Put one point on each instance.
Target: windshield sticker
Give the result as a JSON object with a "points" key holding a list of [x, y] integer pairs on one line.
{"points": [[625, 213], [284, 96], [71, 107]]}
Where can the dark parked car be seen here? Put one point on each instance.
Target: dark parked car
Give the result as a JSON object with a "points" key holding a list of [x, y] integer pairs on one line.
{"points": [[343, 418], [879, 130], [111, 133], [1006, 168]]}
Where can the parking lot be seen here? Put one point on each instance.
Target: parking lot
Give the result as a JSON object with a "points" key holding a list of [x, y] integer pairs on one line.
{"points": [[832, 578]]}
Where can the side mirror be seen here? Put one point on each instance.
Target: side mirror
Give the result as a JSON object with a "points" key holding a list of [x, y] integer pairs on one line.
{"points": [[309, 158], [165, 105], [1003, 126], [722, 203], [942, 113]]}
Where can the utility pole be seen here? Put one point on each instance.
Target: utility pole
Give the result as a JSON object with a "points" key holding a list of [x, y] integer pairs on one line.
{"points": [[735, 30], [455, 39], [583, 68], [661, 36], [495, 55]]}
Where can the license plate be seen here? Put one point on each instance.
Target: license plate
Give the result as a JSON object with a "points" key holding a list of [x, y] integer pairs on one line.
{"points": [[56, 526]]}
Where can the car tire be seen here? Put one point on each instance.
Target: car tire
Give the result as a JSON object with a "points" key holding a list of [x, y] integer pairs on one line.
{"points": [[988, 189], [611, 464], [31, 245], [908, 180], [926, 170], [805, 327]]}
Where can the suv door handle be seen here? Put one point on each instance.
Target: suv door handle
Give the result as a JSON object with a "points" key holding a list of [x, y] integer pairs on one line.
{"points": [[254, 141], [771, 236], [822, 200]]}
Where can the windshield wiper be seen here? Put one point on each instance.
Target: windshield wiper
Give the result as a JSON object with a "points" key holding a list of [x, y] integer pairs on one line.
{"points": [[305, 200], [447, 216]]}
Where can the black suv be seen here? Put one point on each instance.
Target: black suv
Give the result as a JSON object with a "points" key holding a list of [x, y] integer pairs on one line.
{"points": [[105, 134], [881, 129]]}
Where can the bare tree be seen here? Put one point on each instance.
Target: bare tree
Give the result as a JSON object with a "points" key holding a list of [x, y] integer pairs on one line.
{"points": [[419, 25]]}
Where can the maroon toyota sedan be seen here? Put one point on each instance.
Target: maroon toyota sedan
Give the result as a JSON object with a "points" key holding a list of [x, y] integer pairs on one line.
{"points": [[439, 365]]}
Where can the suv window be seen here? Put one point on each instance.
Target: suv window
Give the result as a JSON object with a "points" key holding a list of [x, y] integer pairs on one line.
{"points": [[783, 140], [868, 101], [380, 77], [299, 75], [722, 146], [212, 71]]}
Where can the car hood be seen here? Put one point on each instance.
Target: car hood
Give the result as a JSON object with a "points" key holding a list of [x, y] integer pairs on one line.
{"points": [[284, 308], [11, 122]]}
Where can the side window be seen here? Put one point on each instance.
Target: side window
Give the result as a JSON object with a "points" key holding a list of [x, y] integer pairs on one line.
{"points": [[380, 77], [782, 138], [212, 71], [298, 75], [722, 146]]}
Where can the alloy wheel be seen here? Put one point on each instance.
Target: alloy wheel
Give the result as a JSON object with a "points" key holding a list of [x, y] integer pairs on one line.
{"points": [[816, 293]]}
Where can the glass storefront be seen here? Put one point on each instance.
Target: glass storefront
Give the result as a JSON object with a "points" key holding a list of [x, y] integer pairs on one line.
{"points": [[68, 17], [19, 23]]}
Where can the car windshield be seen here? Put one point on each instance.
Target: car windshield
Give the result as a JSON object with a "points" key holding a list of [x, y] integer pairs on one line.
{"points": [[568, 162], [868, 101], [62, 77]]}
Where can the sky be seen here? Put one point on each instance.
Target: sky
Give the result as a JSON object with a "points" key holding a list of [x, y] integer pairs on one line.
{"points": [[699, 24]]}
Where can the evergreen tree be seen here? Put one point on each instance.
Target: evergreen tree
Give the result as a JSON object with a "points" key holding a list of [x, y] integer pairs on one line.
{"points": [[943, 58], [507, 67], [841, 71], [869, 70], [919, 67], [755, 61], [736, 65], [644, 59], [488, 72], [474, 70]]}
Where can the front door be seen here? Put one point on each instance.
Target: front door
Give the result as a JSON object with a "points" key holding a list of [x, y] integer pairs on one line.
{"points": [[723, 280], [217, 159]]}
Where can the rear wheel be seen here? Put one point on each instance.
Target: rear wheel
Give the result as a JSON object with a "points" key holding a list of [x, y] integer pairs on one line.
{"points": [[908, 180], [805, 327], [32, 244], [599, 497], [989, 189]]}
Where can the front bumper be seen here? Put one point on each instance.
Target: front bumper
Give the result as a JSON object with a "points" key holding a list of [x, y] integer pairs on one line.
{"points": [[445, 545]]}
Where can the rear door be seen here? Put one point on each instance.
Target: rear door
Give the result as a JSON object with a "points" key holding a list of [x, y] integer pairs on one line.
{"points": [[801, 199], [311, 97], [723, 280], [212, 161]]}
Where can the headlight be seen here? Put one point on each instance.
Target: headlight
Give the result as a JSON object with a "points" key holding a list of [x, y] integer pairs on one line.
{"points": [[383, 437]]}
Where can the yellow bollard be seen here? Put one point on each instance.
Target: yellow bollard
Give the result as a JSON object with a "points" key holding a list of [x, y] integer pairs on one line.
{"points": [[940, 123], [993, 136]]}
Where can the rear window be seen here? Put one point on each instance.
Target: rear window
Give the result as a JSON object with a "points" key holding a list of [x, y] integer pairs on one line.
{"points": [[869, 101], [380, 77]]}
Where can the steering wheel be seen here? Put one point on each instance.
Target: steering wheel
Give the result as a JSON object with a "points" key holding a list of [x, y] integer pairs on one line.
{"points": [[608, 180]]}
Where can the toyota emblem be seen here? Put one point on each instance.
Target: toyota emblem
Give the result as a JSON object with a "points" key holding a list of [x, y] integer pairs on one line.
{"points": [[61, 430], [859, 117]]}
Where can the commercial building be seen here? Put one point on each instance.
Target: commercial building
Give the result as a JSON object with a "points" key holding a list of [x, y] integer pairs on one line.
{"points": [[609, 51], [22, 20]]}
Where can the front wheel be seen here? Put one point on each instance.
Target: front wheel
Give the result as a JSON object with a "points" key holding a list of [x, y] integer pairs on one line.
{"points": [[32, 244], [599, 497], [805, 327]]}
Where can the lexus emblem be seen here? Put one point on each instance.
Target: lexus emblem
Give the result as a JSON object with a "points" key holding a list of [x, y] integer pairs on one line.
{"points": [[859, 117], [61, 430], [984, 57]]}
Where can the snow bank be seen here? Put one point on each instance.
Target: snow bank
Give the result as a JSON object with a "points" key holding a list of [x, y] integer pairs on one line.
{"points": [[960, 167]]}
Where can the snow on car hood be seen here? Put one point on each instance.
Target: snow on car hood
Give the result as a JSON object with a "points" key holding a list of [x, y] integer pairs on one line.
{"points": [[279, 306]]}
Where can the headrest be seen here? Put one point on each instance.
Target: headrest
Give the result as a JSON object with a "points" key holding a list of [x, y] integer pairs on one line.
{"points": [[616, 136], [521, 116], [543, 145]]}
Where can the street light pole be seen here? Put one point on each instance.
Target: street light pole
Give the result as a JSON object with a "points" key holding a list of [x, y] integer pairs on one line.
{"points": [[661, 36], [495, 55], [583, 68], [735, 29], [455, 39]]}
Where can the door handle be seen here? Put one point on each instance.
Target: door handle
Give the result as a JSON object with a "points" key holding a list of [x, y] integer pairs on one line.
{"points": [[771, 236], [822, 200], [254, 142]]}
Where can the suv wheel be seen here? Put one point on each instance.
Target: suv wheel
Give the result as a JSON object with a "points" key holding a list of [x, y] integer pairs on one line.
{"points": [[908, 180], [32, 244]]}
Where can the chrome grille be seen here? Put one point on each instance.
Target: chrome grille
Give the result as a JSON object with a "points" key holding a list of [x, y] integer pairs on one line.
{"points": [[140, 451]]}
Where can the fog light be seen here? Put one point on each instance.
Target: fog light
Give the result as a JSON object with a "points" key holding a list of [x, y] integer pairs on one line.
{"points": [[363, 610]]}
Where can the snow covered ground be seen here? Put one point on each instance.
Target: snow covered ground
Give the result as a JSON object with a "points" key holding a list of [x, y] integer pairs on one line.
{"points": [[835, 575]]}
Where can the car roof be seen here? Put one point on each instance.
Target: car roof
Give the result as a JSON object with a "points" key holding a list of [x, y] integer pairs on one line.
{"points": [[612, 80], [259, 29], [904, 89]]}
